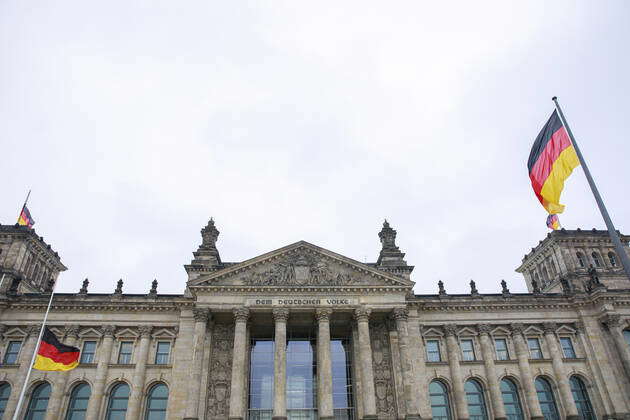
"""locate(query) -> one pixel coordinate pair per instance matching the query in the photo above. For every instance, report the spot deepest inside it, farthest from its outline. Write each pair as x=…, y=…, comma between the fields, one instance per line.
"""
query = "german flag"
x=550, y=163
x=25, y=219
x=553, y=222
x=53, y=355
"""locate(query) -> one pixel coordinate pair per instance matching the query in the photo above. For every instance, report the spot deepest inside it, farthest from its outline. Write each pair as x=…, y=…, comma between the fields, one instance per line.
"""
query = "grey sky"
x=134, y=122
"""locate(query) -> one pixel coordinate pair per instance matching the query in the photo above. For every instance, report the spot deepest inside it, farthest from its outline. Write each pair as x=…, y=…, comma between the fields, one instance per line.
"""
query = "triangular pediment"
x=299, y=265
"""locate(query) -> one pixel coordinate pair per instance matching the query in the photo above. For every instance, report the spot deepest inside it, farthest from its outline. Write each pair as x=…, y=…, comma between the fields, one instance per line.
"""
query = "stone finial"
x=209, y=235
x=549, y=327
x=119, y=287
x=154, y=285
x=450, y=330
x=484, y=328
x=362, y=314
x=71, y=331
x=241, y=314
x=50, y=285
x=504, y=289
x=473, y=288
x=323, y=314
x=441, y=289
x=108, y=330
x=390, y=255
x=207, y=254
x=388, y=237
x=84, y=287
x=201, y=314
x=145, y=330
x=535, y=287
x=517, y=328
x=280, y=314
x=400, y=313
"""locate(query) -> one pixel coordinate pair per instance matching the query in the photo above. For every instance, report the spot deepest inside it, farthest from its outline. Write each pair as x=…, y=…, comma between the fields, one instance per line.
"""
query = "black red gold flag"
x=53, y=355
x=25, y=218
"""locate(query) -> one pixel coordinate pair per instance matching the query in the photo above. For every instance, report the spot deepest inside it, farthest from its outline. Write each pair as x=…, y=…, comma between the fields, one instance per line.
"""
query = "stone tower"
x=391, y=258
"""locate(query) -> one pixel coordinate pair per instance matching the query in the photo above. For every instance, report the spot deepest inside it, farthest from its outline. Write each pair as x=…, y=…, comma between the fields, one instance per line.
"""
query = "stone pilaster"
x=239, y=356
x=104, y=356
x=613, y=322
x=280, y=317
x=137, y=384
x=418, y=362
x=60, y=379
x=522, y=354
x=324, y=365
x=410, y=390
x=26, y=354
x=202, y=316
x=487, y=352
x=362, y=315
x=461, y=405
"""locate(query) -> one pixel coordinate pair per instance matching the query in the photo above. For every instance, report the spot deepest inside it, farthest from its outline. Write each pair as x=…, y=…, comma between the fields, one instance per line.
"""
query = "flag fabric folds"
x=553, y=222
x=550, y=163
x=53, y=355
x=25, y=218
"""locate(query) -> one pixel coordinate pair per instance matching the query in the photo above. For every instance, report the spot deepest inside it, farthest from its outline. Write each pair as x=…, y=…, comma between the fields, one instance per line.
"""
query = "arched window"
x=476, y=401
x=613, y=259
x=546, y=399
x=156, y=402
x=596, y=260
x=511, y=401
x=39, y=402
x=5, y=391
x=118, y=400
x=78, y=402
x=580, y=258
x=582, y=401
x=440, y=404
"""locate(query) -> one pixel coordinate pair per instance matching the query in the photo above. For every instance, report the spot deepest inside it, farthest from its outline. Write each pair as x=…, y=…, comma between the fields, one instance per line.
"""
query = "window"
x=468, y=350
x=500, y=344
x=39, y=402
x=582, y=401
x=341, y=358
x=118, y=400
x=545, y=276
x=511, y=400
x=476, y=401
x=261, y=378
x=534, y=348
x=301, y=376
x=78, y=402
x=87, y=354
x=440, y=404
x=580, y=258
x=13, y=351
x=626, y=335
x=612, y=258
x=433, y=351
x=124, y=354
x=5, y=392
x=596, y=259
x=546, y=400
x=163, y=353
x=567, y=348
x=156, y=402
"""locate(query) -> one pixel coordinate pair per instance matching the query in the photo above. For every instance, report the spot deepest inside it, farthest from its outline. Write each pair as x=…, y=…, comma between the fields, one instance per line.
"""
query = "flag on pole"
x=53, y=355
x=25, y=218
x=553, y=222
x=550, y=163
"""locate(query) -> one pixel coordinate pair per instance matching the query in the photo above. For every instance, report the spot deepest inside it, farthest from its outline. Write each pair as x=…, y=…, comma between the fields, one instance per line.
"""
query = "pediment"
x=300, y=265
x=432, y=332
x=500, y=331
x=467, y=331
x=90, y=332
x=565, y=329
x=164, y=333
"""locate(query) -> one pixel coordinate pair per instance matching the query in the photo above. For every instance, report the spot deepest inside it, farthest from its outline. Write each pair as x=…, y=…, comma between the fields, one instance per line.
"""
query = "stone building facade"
x=305, y=333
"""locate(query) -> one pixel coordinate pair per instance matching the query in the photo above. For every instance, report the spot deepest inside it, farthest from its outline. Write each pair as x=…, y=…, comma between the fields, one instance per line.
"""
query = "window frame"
x=612, y=259
x=596, y=259
x=17, y=354
x=70, y=410
x=92, y=354
x=444, y=387
x=30, y=407
x=469, y=351
x=120, y=353
x=496, y=350
x=548, y=389
x=110, y=398
x=479, y=390
x=582, y=403
x=148, y=399
x=439, y=350
x=515, y=392
x=157, y=352
x=3, y=401
x=529, y=348
x=581, y=259
x=572, y=347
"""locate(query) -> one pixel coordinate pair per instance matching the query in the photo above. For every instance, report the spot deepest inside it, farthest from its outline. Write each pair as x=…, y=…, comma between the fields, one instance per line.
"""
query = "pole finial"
x=555, y=98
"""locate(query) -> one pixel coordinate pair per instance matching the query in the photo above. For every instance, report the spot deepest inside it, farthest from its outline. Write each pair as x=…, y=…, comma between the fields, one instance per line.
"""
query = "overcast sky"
x=134, y=122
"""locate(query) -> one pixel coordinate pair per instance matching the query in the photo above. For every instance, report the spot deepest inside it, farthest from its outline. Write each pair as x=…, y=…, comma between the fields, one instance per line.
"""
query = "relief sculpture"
x=383, y=376
x=220, y=372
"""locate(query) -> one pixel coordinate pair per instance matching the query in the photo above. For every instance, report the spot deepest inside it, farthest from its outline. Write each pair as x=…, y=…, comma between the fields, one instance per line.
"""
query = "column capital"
x=579, y=327
x=612, y=320
x=201, y=314
x=108, y=330
x=400, y=313
x=362, y=314
x=323, y=314
x=33, y=330
x=72, y=331
x=280, y=314
x=549, y=327
x=145, y=330
x=241, y=314
x=484, y=329
x=517, y=328
x=450, y=330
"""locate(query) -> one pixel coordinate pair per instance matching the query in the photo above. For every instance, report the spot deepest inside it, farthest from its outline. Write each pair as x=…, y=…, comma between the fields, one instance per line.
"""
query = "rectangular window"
x=468, y=350
x=534, y=348
x=163, y=353
x=567, y=347
x=500, y=344
x=13, y=351
x=433, y=351
x=87, y=354
x=124, y=354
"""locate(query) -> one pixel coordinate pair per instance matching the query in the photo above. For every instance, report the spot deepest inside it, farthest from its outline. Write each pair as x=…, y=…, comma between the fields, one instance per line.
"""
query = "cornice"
x=271, y=290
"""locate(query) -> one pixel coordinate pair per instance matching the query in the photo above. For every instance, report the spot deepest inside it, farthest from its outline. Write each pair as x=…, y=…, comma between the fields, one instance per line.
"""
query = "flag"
x=25, y=218
x=553, y=222
x=550, y=163
x=53, y=355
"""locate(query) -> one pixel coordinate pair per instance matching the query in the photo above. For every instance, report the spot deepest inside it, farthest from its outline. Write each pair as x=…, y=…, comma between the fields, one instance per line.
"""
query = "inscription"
x=302, y=302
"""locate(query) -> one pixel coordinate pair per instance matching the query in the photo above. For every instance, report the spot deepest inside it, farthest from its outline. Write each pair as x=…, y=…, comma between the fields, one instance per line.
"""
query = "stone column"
x=522, y=353
x=613, y=322
x=487, y=352
x=280, y=316
x=362, y=315
x=104, y=357
x=201, y=315
x=26, y=353
x=568, y=402
x=137, y=384
x=60, y=379
x=324, y=365
x=239, y=356
x=410, y=391
x=456, y=373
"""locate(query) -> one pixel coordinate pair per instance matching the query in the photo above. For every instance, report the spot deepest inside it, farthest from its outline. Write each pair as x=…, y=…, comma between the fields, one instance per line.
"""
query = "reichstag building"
x=304, y=333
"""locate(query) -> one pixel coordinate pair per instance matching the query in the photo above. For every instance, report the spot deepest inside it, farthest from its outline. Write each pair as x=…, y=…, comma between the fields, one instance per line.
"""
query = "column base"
x=415, y=417
x=370, y=417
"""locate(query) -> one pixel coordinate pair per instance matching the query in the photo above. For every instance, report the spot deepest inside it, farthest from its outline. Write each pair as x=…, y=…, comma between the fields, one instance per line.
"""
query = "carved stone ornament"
x=612, y=320
x=504, y=289
x=71, y=330
x=441, y=289
x=3, y=328
x=220, y=373
x=201, y=314
x=154, y=286
x=484, y=328
x=280, y=314
x=84, y=287
x=300, y=269
x=145, y=330
x=550, y=327
x=119, y=287
x=400, y=313
x=241, y=314
x=517, y=328
x=450, y=330
x=323, y=314
x=579, y=327
x=384, y=387
x=362, y=314
x=108, y=330
x=33, y=330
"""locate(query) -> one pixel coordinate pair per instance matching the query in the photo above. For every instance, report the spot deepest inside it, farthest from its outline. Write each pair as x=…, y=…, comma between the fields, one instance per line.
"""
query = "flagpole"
x=24, y=205
x=30, y=369
x=612, y=232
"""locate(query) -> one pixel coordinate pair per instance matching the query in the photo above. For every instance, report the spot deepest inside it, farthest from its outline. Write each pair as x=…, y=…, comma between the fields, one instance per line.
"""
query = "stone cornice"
x=78, y=303
x=275, y=290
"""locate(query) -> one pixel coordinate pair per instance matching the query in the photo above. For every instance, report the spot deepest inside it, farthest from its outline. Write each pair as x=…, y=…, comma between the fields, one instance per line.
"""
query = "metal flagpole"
x=621, y=252
x=18, y=408
x=24, y=205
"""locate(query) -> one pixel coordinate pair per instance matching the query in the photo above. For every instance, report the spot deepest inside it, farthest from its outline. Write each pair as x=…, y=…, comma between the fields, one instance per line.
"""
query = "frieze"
x=303, y=301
